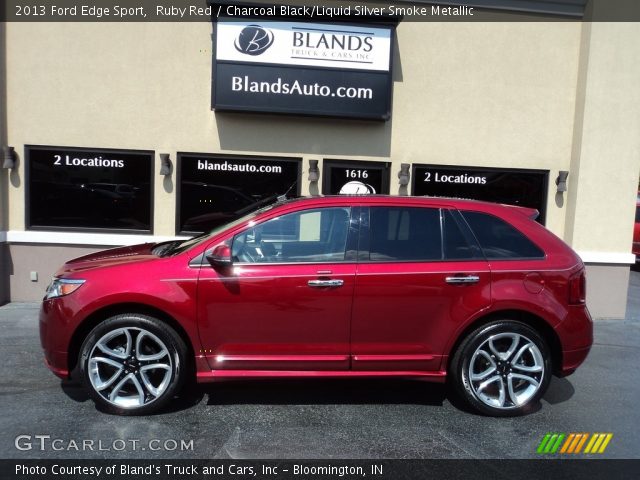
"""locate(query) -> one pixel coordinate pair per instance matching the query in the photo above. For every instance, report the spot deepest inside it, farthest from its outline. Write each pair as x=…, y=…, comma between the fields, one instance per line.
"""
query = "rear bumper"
x=576, y=337
x=571, y=360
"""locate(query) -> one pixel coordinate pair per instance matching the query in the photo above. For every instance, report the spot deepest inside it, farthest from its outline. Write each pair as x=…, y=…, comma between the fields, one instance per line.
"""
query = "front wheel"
x=502, y=368
x=132, y=364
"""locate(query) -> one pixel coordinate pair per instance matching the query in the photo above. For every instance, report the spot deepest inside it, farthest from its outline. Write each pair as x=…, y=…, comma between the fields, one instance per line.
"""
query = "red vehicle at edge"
x=475, y=293
x=636, y=233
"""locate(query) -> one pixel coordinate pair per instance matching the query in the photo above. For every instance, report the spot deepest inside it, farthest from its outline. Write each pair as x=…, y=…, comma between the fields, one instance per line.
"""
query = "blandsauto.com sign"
x=302, y=68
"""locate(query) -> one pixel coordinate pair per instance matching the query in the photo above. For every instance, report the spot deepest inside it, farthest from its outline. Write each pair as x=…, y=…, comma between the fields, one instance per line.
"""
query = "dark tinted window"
x=457, y=244
x=307, y=236
x=403, y=233
x=637, y=214
x=87, y=188
x=498, y=239
x=215, y=190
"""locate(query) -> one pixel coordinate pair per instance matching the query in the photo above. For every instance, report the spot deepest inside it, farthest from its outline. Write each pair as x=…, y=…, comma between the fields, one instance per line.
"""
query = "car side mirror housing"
x=220, y=256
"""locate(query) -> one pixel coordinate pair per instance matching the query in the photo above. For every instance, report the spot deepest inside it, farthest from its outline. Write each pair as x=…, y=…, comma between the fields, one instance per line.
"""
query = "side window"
x=405, y=234
x=498, y=239
x=318, y=235
x=459, y=244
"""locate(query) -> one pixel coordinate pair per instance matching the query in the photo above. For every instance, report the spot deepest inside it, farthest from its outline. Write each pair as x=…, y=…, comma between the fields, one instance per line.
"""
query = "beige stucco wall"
x=4, y=209
x=499, y=95
x=606, y=153
x=607, y=287
x=553, y=96
x=483, y=94
x=44, y=260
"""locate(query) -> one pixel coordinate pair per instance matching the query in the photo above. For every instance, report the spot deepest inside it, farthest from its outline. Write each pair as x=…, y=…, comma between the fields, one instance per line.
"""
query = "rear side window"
x=405, y=234
x=498, y=239
x=459, y=244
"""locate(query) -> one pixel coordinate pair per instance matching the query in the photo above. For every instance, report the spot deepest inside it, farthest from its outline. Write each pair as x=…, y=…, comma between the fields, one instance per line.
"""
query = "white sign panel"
x=304, y=44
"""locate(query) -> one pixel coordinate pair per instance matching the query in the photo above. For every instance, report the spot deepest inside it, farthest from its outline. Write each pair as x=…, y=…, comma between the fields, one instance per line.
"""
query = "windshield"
x=187, y=244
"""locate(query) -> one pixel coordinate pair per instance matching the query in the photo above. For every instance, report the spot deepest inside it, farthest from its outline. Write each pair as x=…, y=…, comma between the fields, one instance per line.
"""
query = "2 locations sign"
x=89, y=188
x=302, y=68
x=526, y=188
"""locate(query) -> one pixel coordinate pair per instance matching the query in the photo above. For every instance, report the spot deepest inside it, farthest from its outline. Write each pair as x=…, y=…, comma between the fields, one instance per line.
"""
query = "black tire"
x=139, y=353
x=494, y=369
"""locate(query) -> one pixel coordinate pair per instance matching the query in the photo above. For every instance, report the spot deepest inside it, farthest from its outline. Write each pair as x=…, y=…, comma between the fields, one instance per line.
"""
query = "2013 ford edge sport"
x=476, y=294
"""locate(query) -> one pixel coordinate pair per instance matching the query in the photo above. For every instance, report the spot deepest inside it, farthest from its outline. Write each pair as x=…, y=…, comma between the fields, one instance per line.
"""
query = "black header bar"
x=321, y=11
x=160, y=469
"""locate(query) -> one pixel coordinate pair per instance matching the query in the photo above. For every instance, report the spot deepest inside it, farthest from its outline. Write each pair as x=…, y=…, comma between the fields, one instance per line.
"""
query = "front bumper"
x=54, y=337
x=59, y=372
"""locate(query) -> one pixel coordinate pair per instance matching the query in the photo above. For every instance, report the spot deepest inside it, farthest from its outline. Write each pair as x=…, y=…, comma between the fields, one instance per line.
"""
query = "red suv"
x=636, y=232
x=475, y=293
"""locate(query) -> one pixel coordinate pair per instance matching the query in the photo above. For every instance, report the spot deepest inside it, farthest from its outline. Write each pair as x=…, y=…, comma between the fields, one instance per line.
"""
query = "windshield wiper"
x=162, y=249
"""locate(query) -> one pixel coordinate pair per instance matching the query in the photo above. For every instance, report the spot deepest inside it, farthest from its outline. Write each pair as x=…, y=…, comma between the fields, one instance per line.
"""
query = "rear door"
x=420, y=275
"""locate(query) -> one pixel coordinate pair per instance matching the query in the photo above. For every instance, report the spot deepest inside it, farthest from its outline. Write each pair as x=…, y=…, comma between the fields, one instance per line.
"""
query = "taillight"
x=577, y=288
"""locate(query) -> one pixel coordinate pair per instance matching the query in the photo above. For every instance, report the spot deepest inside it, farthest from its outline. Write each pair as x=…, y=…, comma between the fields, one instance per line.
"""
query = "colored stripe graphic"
x=550, y=443
x=556, y=445
x=598, y=443
x=543, y=443
x=566, y=445
x=573, y=443
x=581, y=443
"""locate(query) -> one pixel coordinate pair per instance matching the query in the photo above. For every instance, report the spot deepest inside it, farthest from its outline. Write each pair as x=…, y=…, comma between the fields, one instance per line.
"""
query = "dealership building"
x=117, y=133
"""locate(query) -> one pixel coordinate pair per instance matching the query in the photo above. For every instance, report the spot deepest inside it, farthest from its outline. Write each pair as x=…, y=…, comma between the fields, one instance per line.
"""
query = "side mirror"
x=220, y=256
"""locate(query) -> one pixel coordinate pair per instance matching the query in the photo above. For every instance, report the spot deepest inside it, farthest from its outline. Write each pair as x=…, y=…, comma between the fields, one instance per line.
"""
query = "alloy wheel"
x=506, y=370
x=130, y=367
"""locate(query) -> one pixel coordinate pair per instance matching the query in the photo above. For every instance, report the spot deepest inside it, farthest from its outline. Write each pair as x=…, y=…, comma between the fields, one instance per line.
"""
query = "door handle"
x=325, y=283
x=463, y=280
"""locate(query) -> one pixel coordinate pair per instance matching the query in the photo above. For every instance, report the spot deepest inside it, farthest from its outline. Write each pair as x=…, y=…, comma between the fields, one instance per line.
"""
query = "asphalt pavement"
x=43, y=417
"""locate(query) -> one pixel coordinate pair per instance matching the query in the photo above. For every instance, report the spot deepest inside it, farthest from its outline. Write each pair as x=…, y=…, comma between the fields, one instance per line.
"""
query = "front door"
x=285, y=303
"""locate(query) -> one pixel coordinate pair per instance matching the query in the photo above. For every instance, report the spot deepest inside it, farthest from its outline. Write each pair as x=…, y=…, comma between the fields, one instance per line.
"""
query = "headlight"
x=62, y=286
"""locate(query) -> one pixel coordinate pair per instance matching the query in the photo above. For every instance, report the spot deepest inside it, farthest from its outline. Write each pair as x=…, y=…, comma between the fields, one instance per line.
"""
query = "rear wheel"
x=502, y=368
x=132, y=364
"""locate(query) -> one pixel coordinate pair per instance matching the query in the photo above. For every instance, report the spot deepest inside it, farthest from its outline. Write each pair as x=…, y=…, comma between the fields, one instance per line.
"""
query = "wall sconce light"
x=9, y=158
x=166, y=167
x=561, y=181
x=404, y=175
x=314, y=171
